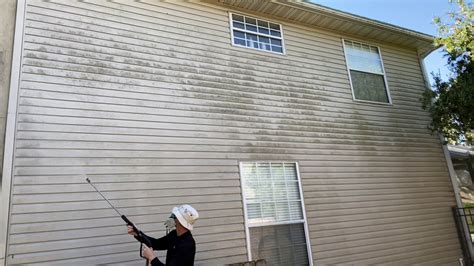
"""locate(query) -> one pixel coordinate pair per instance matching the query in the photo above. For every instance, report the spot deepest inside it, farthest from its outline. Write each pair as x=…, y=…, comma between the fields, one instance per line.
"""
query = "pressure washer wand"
x=89, y=181
x=121, y=215
x=143, y=239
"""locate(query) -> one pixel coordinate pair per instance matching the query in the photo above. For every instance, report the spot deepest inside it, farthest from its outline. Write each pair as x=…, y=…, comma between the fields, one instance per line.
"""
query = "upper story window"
x=256, y=33
x=366, y=72
x=275, y=219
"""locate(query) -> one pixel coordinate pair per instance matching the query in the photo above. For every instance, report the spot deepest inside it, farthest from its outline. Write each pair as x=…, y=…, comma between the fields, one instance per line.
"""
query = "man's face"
x=176, y=221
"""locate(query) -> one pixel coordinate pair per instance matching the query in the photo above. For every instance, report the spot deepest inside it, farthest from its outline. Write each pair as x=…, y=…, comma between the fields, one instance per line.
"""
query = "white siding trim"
x=5, y=194
x=306, y=228
x=452, y=175
x=384, y=76
x=244, y=202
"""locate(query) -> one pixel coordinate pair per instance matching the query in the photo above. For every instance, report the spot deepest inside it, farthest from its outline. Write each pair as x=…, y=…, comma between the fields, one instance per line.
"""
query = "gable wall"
x=151, y=101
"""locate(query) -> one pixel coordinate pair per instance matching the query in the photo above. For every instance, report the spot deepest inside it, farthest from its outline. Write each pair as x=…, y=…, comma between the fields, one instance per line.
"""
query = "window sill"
x=365, y=102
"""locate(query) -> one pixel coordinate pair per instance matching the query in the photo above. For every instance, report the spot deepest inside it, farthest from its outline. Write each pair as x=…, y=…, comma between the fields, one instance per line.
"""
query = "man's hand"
x=131, y=231
x=148, y=253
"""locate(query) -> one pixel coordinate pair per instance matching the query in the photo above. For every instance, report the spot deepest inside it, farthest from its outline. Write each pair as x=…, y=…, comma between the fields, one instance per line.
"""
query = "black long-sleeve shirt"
x=180, y=249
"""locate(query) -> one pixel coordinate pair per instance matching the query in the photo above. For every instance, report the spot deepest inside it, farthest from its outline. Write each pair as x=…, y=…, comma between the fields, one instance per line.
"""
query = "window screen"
x=366, y=72
x=274, y=213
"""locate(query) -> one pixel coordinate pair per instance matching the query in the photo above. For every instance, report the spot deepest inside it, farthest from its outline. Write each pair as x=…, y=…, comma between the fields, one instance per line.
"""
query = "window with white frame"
x=366, y=72
x=274, y=211
x=256, y=33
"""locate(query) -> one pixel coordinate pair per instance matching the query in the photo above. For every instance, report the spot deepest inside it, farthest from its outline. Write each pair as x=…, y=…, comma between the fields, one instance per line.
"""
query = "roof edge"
x=361, y=19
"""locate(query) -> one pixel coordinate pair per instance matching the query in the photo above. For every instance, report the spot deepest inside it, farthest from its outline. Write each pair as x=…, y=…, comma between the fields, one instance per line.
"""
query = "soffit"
x=343, y=23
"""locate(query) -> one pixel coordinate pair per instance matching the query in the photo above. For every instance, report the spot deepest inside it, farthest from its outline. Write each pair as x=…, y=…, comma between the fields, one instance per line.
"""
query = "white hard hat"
x=186, y=215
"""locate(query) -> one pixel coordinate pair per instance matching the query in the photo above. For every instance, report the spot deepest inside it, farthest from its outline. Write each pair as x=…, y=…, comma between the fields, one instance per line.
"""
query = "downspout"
x=7, y=174
x=449, y=163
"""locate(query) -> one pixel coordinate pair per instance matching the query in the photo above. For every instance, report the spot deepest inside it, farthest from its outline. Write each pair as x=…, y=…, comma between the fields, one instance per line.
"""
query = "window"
x=257, y=34
x=366, y=72
x=274, y=213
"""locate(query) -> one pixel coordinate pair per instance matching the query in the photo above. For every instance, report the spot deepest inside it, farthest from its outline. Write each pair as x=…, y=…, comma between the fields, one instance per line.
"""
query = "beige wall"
x=7, y=26
x=150, y=99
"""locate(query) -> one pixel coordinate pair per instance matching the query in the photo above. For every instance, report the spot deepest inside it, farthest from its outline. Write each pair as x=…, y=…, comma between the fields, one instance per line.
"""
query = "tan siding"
x=151, y=100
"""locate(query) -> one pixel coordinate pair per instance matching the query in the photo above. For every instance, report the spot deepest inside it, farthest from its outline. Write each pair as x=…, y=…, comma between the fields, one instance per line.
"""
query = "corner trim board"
x=7, y=175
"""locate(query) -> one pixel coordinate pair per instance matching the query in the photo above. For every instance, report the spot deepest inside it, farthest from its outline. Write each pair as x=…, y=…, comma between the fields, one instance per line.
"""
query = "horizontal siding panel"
x=145, y=32
x=440, y=257
x=29, y=189
x=112, y=139
x=228, y=243
x=310, y=118
x=326, y=232
x=350, y=162
x=264, y=148
x=363, y=249
x=361, y=192
x=382, y=202
x=359, y=199
x=425, y=230
x=71, y=214
x=391, y=255
x=95, y=223
x=189, y=118
x=189, y=98
x=379, y=216
x=100, y=153
x=382, y=210
x=128, y=206
x=323, y=180
x=114, y=169
x=169, y=100
x=122, y=161
x=79, y=179
x=118, y=228
x=85, y=196
x=345, y=226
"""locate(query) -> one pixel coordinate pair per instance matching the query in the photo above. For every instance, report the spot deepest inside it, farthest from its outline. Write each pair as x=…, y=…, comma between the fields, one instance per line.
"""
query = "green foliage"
x=451, y=103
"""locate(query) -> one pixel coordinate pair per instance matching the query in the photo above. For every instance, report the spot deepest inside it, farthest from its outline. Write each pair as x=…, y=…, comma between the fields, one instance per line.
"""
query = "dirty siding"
x=151, y=101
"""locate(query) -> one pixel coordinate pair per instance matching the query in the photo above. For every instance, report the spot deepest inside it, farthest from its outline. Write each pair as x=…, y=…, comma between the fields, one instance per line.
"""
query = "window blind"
x=272, y=193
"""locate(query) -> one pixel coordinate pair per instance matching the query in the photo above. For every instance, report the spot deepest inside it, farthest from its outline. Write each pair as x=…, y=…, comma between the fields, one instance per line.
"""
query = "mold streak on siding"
x=153, y=103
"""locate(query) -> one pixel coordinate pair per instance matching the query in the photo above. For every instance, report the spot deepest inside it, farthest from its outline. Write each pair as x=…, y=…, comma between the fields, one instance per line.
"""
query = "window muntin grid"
x=256, y=33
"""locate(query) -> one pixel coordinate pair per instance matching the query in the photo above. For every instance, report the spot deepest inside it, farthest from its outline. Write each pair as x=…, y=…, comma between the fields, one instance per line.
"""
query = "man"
x=179, y=243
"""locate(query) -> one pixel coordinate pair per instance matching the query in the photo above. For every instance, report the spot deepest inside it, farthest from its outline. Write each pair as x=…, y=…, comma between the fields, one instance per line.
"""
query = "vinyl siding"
x=154, y=104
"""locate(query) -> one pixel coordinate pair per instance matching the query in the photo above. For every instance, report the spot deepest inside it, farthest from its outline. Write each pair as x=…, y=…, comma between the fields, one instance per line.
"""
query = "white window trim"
x=383, y=70
x=253, y=48
x=304, y=221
